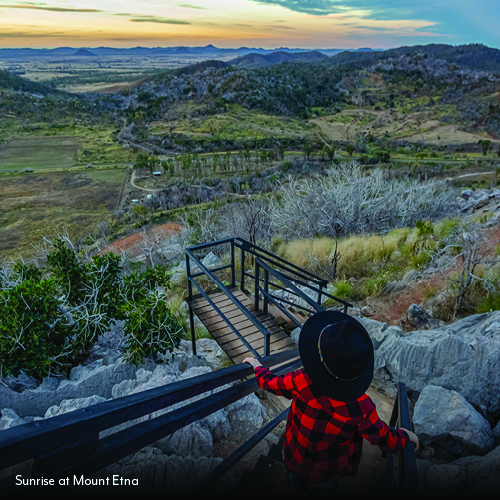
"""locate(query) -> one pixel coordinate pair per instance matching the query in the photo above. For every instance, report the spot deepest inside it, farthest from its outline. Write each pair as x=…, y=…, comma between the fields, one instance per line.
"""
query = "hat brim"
x=308, y=349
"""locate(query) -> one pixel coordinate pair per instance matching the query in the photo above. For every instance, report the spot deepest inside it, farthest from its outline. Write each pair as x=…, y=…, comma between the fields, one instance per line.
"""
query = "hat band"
x=324, y=364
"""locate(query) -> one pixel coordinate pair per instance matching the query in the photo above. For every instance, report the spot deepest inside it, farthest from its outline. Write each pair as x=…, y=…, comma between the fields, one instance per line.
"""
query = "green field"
x=37, y=205
x=39, y=153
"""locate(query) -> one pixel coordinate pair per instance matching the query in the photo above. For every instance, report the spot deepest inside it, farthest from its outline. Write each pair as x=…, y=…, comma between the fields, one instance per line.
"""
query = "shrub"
x=150, y=328
x=343, y=290
x=35, y=336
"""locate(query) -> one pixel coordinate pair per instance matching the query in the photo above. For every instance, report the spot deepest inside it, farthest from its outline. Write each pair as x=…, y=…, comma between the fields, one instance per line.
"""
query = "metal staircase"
x=252, y=324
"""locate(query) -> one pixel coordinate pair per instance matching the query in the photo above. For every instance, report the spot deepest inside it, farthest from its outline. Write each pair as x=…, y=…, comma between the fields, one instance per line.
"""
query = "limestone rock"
x=446, y=418
x=192, y=441
x=212, y=353
x=418, y=316
x=462, y=356
x=68, y=405
x=377, y=330
x=246, y=414
x=482, y=473
x=217, y=424
x=10, y=419
x=447, y=479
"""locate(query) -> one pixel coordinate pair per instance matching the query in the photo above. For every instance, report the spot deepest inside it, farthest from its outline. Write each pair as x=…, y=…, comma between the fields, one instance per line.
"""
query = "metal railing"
x=407, y=465
x=70, y=443
x=288, y=274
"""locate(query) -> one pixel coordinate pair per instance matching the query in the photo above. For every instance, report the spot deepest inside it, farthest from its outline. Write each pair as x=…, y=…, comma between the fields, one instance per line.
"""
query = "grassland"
x=36, y=205
x=237, y=123
x=50, y=146
x=39, y=153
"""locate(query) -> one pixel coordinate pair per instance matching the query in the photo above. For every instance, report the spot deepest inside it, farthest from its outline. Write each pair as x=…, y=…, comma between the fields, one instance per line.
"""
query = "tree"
x=308, y=149
x=486, y=146
x=350, y=149
x=281, y=151
x=470, y=246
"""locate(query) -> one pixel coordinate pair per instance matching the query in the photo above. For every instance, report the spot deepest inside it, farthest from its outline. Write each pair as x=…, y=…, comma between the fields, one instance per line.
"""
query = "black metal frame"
x=289, y=274
x=69, y=444
x=408, y=477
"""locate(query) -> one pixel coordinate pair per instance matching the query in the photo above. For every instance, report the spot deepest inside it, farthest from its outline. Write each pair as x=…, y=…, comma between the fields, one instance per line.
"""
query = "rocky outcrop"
x=446, y=418
x=174, y=463
x=473, y=200
x=465, y=477
x=462, y=356
x=418, y=317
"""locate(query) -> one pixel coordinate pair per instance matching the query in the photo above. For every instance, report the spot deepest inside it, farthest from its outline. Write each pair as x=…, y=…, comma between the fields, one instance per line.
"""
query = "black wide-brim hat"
x=346, y=345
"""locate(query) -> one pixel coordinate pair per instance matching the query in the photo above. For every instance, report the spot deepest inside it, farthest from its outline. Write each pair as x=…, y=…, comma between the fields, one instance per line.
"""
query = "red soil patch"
x=392, y=308
x=133, y=244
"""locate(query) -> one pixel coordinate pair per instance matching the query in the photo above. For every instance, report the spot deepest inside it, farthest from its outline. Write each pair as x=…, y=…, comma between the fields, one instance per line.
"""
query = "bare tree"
x=348, y=201
x=468, y=247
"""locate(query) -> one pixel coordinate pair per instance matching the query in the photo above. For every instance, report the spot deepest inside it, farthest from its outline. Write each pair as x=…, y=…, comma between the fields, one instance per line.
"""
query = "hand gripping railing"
x=408, y=478
x=70, y=444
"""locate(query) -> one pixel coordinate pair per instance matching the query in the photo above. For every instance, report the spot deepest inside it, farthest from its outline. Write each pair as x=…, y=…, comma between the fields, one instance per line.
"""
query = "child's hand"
x=252, y=361
x=413, y=438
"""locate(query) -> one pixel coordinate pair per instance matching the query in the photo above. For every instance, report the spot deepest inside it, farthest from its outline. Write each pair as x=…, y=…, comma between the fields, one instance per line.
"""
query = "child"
x=330, y=413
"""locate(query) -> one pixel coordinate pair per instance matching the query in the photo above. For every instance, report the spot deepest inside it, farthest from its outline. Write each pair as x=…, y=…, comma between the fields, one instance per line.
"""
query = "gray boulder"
x=246, y=414
x=482, y=473
x=377, y=330
x=192, y=441
x=68, y=405
x=211, y=352
x=446, y=418
x=419, y=317
x=11, y=419
x=462, y=356
x=444, y=479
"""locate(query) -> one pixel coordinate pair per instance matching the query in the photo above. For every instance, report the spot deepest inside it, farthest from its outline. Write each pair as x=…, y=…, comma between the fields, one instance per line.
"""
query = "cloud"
x=283, y=27
x=189, y=6
x=374, y=9
x=46, y=7
x=160, y=20
x=24, y=34
x=371, y=28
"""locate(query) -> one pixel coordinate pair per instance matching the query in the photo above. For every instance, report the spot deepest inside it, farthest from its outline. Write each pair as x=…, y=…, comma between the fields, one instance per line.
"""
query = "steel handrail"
x=248, y=247
x=408, y=477
x=241, y=307
x=223, y=316
x=289, y=284
x=25, y=441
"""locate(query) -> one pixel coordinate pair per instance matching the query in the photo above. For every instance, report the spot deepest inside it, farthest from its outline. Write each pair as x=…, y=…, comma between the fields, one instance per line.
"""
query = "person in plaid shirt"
x=330, y=413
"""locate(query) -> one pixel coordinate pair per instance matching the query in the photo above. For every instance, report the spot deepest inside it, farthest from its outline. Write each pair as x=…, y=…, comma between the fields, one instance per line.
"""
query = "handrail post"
x=267, y=344
x=188, y=274
x=257, y=279
x=320, y=293
x=408, y=478
x=266, y=289
x=190, y=297
x=242, y=270
x=233, y=278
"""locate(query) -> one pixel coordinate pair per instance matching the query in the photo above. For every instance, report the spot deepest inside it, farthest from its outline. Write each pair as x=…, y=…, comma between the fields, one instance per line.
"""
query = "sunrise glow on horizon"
x=253, y=23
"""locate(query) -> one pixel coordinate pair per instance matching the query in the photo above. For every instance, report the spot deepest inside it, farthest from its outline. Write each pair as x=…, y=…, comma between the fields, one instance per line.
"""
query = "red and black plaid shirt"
x=324, y=437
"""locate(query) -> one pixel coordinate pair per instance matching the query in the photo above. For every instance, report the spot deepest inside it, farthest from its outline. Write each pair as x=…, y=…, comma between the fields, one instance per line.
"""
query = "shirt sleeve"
x=281, y=386
x=378, y=433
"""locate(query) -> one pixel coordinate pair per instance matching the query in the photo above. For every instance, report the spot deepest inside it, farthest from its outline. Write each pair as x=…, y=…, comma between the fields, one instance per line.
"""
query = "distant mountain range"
x=209, y=50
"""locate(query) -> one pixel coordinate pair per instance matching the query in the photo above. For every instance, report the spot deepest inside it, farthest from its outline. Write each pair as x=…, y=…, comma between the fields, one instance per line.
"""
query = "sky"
x=311, y=24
